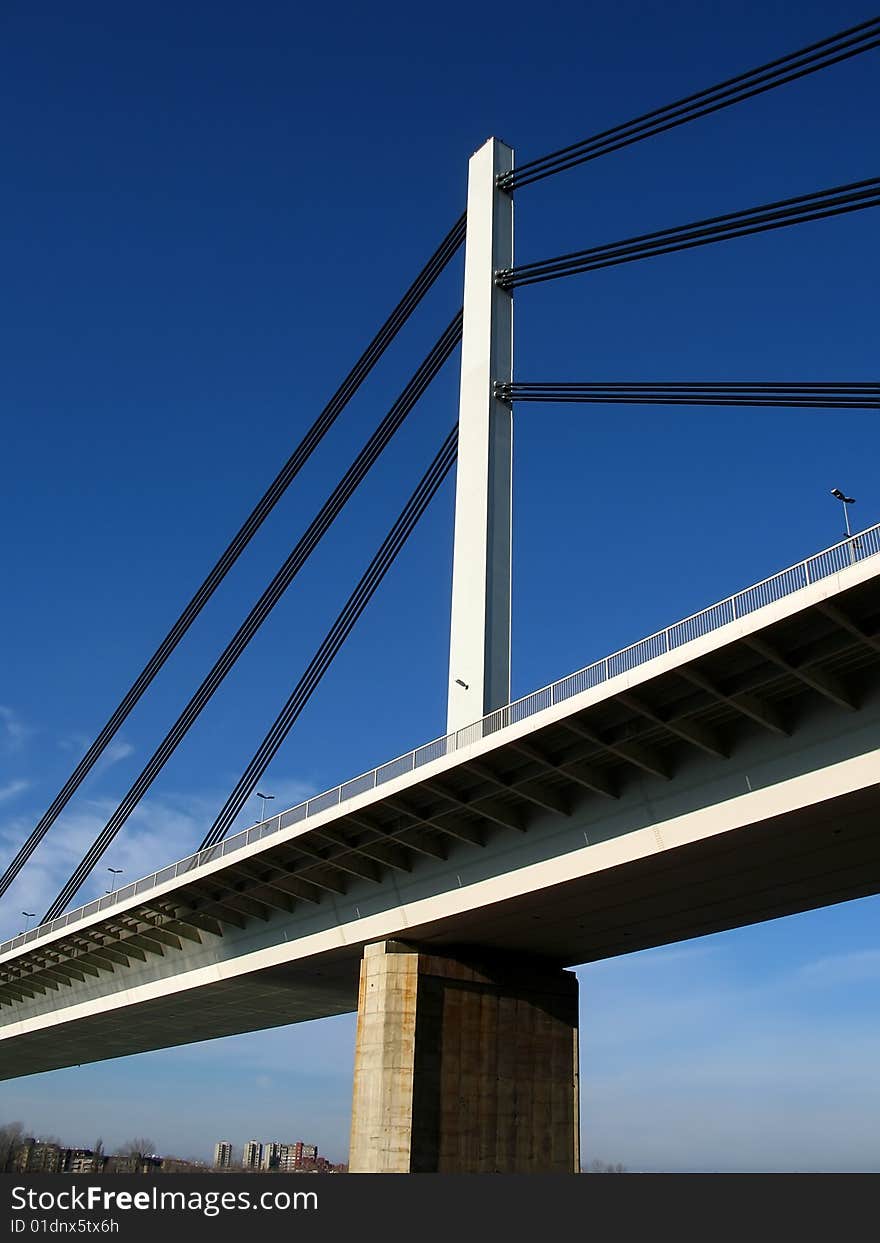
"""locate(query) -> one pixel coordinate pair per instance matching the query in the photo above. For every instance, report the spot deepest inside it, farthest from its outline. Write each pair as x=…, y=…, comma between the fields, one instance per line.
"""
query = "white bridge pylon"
x=479, y=647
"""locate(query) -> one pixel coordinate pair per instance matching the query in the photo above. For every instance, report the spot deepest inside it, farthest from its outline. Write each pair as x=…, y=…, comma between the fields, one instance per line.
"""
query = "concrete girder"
x=277, y=879
x=473, y=837
x=479, y=805
x=818, y=680
x=368, y=850
x=634, y=753
x=92, y=955
x=301, y=865
x=200, y=922
x=134, y=937
x=538, y=797
x=575, y=770
x=42, y=978
x=25, y=983
x=748, y=705
x=333, y=861
x=199, y=907
x=438, y=820
x=115, y=954
x=230, y=897
x=163, y=935
x=394, y=836
x=55, y=977
x=259, y=887
x=840, y=618
x=689, y=731
x=180, y=928
x=62, y=966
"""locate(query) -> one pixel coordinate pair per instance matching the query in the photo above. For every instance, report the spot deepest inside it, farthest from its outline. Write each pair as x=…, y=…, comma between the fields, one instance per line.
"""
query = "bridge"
x=721, y=771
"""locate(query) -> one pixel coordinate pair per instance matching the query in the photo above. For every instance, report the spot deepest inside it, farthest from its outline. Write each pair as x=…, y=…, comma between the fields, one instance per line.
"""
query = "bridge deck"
x=624, y=815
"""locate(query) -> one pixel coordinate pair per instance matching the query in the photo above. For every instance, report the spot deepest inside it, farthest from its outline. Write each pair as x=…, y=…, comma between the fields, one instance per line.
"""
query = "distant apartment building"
x=223, y=1155
x=288, y=1157
x=132, y=1163
x=82, y=1161
x=124, y=1163
x=298, y=1156
x=271, y=1156
x=252, y=1155
x=34, y=1156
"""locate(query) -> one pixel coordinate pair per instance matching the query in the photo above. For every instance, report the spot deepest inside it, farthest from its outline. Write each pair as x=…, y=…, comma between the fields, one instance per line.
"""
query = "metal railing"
x=855, y=548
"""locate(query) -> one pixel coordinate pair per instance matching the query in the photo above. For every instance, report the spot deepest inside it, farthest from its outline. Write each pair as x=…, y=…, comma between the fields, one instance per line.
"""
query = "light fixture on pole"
x=116, y=872
x=266, y=798
x=29, y=915
x=844, y=500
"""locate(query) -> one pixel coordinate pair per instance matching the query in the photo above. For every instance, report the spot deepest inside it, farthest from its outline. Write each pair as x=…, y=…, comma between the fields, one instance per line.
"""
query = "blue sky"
x=207, y=213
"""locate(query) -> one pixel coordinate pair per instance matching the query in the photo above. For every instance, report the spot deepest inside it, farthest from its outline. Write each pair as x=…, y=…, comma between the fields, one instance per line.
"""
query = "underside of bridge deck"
x=585, y=775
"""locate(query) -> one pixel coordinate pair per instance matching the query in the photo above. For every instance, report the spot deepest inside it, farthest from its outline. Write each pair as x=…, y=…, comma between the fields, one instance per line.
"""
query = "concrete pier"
x=464, y=1065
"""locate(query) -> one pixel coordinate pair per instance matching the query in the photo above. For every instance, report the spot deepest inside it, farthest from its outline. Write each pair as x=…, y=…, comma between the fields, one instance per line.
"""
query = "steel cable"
x=371, y=355
x=852, y=396
x=830, y=51
x=818, y=205
x=267, y=601
x=336, y=636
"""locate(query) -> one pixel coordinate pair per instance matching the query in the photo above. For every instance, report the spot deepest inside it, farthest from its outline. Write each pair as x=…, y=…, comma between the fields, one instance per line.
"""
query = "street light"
x=844, y=500
x=116, y=872
x=266, y=798
x=29, y=915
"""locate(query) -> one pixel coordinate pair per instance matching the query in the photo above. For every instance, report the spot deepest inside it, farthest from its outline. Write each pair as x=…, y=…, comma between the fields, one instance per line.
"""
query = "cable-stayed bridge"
x=720, y=772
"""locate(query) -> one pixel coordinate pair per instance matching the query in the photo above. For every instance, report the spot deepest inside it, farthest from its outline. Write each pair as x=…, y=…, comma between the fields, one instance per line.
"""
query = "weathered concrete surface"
x=464, y=1067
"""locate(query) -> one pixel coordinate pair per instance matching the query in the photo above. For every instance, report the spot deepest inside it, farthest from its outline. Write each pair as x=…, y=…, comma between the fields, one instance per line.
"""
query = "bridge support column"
x=464, y=1067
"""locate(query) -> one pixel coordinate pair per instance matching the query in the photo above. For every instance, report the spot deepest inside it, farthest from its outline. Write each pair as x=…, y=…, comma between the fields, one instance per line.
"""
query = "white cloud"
x=14, y=733
x=835, y=969
x=74, y=742
x=78, y=744
x=161, y=830
x=12, y=789
x=118, y=750
x=157, y=833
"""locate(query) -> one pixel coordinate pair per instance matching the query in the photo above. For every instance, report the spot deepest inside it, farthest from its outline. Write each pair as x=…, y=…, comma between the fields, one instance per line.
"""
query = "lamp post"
x=844, y=500
x=116, y=872
x=265, y=798
x=28, y=915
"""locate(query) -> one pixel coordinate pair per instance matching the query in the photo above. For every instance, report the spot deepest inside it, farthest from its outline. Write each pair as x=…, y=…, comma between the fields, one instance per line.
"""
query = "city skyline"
x=266, y=1155
x=46, y=1153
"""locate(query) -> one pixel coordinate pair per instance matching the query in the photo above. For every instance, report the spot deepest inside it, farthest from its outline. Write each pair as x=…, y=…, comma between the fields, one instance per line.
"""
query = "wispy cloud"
x=78, y=743
x=157, y=833
x=12, y=789
x=118, y=750
x=162, y=829
x=835, y=969
x=14, y=732
x=74, y=742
